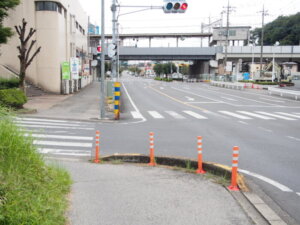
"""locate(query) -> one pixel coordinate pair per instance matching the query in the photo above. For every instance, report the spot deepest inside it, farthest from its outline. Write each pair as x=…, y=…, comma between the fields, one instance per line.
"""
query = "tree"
x=285, y=30
x=5, y=5
x=24, y=52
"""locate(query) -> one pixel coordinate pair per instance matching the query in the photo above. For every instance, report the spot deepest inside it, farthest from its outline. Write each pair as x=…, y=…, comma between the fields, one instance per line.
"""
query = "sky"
x=244, y=13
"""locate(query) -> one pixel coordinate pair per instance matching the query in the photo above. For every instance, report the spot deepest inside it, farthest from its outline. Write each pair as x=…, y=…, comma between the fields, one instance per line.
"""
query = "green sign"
x=66, y=73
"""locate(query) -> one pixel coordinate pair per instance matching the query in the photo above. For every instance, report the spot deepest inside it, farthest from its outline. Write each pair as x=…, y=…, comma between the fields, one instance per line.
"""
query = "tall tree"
x=5, y=5
x=284, y=29
x=24, y=51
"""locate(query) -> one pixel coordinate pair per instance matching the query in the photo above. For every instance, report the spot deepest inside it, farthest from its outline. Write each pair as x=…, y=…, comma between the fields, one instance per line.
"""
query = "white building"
x=61, y=30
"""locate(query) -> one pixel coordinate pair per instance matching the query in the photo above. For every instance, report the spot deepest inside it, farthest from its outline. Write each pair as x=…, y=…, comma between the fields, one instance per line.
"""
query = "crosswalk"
x=59, y=137
x=239, y=114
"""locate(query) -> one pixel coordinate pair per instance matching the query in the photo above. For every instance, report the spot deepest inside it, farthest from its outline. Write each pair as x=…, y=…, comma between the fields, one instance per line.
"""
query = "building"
x=62, y=32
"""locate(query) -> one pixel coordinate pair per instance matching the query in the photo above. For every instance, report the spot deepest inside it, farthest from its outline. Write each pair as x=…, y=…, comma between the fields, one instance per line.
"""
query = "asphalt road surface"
x=266, y=128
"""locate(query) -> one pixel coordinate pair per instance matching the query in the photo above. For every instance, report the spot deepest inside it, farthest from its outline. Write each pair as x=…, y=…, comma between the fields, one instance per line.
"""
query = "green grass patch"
x=31, y=192
x=9, y=83
x=14, y=98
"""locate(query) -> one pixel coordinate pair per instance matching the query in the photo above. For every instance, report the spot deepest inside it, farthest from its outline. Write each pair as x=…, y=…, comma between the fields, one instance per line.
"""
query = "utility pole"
x=263, y=14
x=102, y=102
x=114, y=40
x=228, y=11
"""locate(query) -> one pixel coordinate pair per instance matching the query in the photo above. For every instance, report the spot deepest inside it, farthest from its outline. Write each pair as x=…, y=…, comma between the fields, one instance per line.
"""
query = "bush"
x=14, y=98
x=9, y=83
x=31, y=192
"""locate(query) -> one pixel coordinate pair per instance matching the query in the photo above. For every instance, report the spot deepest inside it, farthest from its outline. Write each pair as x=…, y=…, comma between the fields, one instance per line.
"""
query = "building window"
x=48, y=6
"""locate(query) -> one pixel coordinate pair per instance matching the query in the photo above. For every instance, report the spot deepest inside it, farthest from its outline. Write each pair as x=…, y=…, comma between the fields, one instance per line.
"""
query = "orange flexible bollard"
x=97, y=150
x=151, y=138
x=234, y=170
x=200, y=168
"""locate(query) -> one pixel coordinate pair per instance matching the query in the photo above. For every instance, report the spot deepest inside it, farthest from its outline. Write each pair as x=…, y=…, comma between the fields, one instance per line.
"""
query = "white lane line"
x=65, y=144
x=175, y=115
x=56, y=150
x=242, y=122
x=256, y=115
x=288, y=114
x=132, y=103
x=44, y=120
x=262, y=128
x=155, y=115
x=267, y=180
x=60, y=137
x=230, y=99
x=189, y=98
x=274, y=115
x=236, y=115
x=272, y=100
x=55, y=127
x=203, y=102
x=196, y=115
x=192, y=93
x=46, y=123
x=296, y=139
x=136, y=115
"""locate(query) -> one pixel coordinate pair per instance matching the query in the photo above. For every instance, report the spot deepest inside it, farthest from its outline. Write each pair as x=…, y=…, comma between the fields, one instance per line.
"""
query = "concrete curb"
x=259, y=212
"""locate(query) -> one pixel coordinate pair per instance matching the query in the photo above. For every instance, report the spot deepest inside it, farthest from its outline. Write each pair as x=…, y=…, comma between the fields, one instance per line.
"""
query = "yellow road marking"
x=177, y=100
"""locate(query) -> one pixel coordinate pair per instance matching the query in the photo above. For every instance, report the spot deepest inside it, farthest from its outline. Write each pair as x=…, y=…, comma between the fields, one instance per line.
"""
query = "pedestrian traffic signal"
x=175, y=6
x=112, y=51
x=98, y=52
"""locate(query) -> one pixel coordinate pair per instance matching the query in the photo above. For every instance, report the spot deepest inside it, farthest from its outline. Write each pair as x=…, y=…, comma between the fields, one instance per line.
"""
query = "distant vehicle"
x=177, y=76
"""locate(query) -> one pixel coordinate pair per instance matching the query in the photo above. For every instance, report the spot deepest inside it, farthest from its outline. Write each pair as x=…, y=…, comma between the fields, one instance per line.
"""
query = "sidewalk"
x=139, y=195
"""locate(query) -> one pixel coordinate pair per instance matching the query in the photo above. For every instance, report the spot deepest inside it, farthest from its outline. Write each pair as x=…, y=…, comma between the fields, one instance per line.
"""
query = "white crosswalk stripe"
x=196, y=115
x=274, y=115
x=175, y=115
x=288, y=114
x=136, y=115
x=155, y=115
x=235, y=115
x=256, y=115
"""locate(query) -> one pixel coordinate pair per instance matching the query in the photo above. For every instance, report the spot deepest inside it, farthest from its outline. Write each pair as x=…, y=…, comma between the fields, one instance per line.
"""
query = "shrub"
x=14, y=98
x=9, y=83
x=31, y=192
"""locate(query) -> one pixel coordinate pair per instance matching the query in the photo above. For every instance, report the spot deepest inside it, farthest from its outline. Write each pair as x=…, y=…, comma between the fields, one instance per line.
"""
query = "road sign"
x=112, y=50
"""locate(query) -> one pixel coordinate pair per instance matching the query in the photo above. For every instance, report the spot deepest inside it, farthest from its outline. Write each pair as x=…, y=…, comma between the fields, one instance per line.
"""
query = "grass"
x=31, y=192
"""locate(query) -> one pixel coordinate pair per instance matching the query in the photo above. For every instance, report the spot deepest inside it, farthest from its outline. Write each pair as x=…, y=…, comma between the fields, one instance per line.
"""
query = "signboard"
x=228, y=66
x=74, y=63
x=65, y=70
x=213, y=63
x=86, y=69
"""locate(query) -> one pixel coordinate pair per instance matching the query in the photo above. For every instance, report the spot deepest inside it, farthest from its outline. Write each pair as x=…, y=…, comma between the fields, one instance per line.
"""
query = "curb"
x=257, y=210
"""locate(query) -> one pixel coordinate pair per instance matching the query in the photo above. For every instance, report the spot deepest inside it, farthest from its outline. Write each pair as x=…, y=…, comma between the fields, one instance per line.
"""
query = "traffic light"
x=112, y=50
x=175, y=6
x=98, y=52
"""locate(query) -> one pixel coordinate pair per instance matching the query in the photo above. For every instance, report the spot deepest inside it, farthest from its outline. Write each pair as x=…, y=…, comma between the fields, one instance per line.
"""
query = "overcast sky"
x=245, y=13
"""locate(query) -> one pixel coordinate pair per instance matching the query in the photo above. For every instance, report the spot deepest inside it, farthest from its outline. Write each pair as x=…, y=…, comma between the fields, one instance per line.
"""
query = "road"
x=266, y=128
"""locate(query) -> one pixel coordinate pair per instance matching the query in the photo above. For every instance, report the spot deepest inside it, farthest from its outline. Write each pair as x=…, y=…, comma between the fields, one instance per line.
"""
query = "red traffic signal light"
x=184, y=6
x=98, y=49
x=175, y=6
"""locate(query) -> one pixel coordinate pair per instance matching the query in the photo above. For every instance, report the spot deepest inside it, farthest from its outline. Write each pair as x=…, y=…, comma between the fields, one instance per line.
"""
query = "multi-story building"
x=61, y=30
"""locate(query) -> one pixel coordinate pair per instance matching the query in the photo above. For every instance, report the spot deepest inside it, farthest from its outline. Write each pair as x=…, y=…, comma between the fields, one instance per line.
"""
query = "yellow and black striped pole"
x=117, y=96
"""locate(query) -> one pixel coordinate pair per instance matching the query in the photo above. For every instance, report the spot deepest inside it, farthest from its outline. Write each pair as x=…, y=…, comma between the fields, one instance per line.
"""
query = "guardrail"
x=284, y=92
x=231, y=85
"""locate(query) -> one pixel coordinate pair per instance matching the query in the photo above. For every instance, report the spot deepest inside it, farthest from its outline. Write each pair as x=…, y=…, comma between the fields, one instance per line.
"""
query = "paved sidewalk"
x=134, y=195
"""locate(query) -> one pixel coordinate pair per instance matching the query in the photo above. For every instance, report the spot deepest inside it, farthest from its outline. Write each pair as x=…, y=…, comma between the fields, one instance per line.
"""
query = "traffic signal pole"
x=114, y=40
x=102, y=101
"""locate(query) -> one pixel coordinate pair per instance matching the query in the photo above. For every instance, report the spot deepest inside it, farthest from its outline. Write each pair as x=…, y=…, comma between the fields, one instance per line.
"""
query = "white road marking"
x=272, y=100
x=243, y=122
x=44, y=120
x=55, y=127
x=203, y=102
x=132, y=103
x=196, y=115
x=66, y=144
x=46, y=123
x=60, y=137
x=55, y=150
x=274, y=115
x=297, y=139
x=162, y=88
x=175, y=115
x=230, y=99
x=136, y=115
x=155, y=115
x=267, y=180
x=262, y=128
x=298, y=193
x=256, y=115
x=189, y=98
x=236, y=115
x=288, y=114
x=192, y=93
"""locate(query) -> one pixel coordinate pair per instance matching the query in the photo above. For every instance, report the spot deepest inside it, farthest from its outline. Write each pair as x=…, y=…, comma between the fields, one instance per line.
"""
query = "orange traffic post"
x=234, y=170
x=200, y=166
x=151, y=138
x=97, y=150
